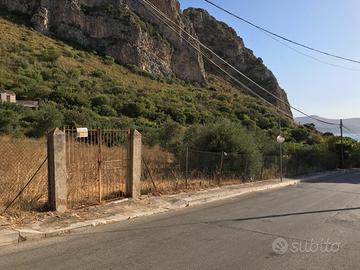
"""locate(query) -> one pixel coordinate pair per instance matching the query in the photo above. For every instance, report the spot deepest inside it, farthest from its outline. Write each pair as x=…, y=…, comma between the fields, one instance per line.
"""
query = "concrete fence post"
x=133, y=187
x=57, y=189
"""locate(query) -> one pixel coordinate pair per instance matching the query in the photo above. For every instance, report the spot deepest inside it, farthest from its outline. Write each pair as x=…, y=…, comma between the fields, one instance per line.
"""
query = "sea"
x=354, y=136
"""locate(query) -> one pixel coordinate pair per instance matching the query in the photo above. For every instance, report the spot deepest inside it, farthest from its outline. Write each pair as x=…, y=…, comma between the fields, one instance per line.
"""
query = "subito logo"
x=280, y=246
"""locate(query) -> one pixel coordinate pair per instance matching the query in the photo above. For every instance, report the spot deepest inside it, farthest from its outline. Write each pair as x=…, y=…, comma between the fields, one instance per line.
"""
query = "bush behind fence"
x=163, y=170
x=176, y=169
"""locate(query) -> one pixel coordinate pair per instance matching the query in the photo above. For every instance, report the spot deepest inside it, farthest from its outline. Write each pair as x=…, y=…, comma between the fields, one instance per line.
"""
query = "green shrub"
x=45, y=119
x=70, y=97
x=300, y=134
x=98, y=73
x=100, y=100
x=82, y=118
x=142, y=72
x=50, y=55
x=9, y=122
x=228, y=137
x=106, y=110
x=132, y=109
x=108, y=60
x=74, y=74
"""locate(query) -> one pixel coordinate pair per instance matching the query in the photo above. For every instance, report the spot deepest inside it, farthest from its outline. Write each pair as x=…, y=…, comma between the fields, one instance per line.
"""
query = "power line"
x=160, y=15
x=308, y=55
x=207, y=57
x=348, y=129
x=215, y=64
x=282, y=37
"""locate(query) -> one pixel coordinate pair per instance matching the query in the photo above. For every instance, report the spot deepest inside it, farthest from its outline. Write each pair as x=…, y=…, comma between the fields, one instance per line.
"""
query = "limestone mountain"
x=132, y=35
x=224, y=41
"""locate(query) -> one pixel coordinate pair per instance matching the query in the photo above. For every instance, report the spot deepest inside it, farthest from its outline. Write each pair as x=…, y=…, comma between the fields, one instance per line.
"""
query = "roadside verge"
x=53, y=224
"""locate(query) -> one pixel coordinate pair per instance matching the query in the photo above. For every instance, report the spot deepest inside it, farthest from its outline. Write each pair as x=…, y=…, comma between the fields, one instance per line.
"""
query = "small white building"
x=8, y=96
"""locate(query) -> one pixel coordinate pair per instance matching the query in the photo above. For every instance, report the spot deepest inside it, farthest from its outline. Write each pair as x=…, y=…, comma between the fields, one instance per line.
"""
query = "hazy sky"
x=330, y=25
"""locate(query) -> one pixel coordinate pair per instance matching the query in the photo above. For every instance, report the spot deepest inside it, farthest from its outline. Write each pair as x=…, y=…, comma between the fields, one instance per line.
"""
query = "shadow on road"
x=209, y=222
x=342, y=177
x=297, y=214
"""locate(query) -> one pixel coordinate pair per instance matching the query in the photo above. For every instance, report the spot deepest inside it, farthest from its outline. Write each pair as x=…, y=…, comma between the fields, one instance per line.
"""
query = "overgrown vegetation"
x=84, y=89
x=81, y=88
x=249, y=151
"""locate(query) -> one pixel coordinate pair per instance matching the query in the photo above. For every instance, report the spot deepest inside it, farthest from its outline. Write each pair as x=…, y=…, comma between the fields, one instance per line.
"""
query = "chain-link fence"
x=176, y=169
x=302, y=163
x=23, y=174
x=171, y=170
x=23, y=169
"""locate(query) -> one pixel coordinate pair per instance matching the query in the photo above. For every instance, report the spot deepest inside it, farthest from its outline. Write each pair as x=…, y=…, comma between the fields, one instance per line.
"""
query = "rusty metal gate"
x=97, y=165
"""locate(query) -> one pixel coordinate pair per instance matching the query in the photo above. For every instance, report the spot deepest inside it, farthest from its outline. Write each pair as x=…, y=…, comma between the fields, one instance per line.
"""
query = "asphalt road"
x=316, y=225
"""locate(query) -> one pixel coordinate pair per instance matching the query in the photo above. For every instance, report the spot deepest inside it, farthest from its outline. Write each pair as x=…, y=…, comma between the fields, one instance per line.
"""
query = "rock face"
x=132, y=34
x=186, y=63
x=224, y=41
x=124, y=29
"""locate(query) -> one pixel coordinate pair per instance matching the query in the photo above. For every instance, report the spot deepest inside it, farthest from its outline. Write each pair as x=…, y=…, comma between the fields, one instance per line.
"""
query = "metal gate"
x=97, y=165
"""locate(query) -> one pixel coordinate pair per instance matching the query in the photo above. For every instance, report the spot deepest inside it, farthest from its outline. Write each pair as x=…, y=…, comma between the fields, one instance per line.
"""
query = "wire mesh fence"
x=309, y=162
x=176, y=169
x=23, y=167
x=97, y=166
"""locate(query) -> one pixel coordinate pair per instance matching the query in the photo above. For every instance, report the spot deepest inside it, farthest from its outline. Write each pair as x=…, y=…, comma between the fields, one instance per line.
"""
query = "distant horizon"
x=352, y=126
x=311, y=86
x=351, y=118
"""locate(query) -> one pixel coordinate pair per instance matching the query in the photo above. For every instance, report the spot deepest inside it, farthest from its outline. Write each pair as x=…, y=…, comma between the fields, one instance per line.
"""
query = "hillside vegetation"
x=81, y=88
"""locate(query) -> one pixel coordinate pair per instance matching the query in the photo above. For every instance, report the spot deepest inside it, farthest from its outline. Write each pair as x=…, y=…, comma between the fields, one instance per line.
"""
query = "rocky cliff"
x=123, y=29
x=130, y=33
x=224, y=41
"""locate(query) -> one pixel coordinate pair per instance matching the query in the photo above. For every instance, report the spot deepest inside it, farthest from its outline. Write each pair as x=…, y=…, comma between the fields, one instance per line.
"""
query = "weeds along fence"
x=22, y=160
x=305, y=162
x=168, y=171
x=97, y=169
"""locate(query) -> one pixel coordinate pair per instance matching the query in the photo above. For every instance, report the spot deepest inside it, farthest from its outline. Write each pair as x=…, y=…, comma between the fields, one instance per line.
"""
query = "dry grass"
x=21, y=157
x=85, y=171
x=19, y=160
x=12, y=34
x=163, y=174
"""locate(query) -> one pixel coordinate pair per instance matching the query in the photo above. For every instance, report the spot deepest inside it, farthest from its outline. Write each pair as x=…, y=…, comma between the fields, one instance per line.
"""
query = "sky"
x=329, y=25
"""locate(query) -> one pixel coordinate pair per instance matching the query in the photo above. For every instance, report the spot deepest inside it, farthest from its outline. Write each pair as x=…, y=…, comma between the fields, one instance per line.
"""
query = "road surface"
x=310, y=226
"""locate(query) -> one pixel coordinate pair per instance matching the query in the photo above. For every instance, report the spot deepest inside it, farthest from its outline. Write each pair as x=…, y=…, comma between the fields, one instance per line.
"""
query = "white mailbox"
x=82, y=133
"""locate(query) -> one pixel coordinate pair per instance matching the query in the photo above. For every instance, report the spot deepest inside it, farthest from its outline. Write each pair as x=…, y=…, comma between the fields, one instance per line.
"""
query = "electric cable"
x=159, y=13
x=282, y=37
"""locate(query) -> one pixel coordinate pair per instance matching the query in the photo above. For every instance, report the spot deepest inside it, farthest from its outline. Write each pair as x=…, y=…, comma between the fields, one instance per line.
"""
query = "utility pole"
x=280, y=140
x=342, y=145
x=221, y=166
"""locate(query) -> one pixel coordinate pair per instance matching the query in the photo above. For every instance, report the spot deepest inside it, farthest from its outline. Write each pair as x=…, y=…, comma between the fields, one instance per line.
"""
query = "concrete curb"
x=8, y=237
x=14, y=236
x=227, y=194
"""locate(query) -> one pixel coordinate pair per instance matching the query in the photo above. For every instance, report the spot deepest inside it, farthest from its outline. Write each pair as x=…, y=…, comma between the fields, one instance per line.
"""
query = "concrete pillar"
x=133, y=187
x=57, y=192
